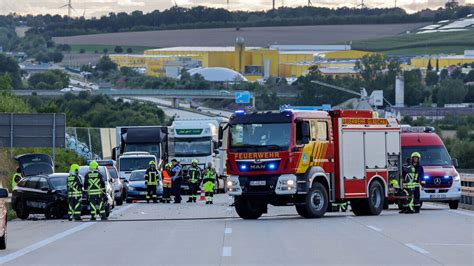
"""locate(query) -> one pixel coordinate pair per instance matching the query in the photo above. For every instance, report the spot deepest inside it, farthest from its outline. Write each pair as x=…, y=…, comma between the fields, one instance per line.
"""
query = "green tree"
x=413, y=87
x=105, y=64
x=5, y=82
x=431, y=78
x=10, y=65
x=371, y=65
x=129, y=50
x=469, y=76
x=118, y=49
x=451, y=91
x=49, y=80
x=429, y=67
x=12, y=104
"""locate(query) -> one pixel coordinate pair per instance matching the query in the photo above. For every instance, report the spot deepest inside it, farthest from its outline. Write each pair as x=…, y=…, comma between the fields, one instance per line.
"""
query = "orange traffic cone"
x=203, y=196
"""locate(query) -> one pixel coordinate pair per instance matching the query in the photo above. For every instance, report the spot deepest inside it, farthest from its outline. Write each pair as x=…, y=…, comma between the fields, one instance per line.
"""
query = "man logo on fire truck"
x=312, y=160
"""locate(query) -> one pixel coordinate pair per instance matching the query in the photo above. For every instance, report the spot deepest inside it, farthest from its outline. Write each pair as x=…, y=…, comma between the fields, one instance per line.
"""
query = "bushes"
x=49, y=80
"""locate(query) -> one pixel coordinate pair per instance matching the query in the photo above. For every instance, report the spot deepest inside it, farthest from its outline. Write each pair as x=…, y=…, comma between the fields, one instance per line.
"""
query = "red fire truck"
x=310, y=159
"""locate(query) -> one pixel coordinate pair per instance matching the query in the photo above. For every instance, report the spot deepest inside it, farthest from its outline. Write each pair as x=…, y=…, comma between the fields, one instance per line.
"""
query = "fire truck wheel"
x=248, y=209
x=373, y=205
x=316, y=202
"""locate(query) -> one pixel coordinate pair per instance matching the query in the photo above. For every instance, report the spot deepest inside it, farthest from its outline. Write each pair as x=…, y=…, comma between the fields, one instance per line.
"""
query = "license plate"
x=437, y=196
x=258, y=183
x=143, y=193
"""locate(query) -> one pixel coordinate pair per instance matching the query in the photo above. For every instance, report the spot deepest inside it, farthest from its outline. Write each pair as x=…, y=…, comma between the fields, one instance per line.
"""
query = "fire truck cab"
x=311, y=159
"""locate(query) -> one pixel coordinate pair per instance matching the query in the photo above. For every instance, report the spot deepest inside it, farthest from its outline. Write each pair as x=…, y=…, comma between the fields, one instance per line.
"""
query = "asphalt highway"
x=199, y=234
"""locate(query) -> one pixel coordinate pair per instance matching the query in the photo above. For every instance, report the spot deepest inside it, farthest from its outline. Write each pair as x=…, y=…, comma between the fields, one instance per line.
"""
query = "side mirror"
x=112, y=180
x=3, y=193
x=221, y=133
x=45, y=189
x=455, y=162
x=216, y=151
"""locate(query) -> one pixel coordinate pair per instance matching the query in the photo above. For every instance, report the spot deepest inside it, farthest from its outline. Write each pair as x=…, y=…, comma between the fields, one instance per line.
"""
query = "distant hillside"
x=259, y=36
x=426, y=43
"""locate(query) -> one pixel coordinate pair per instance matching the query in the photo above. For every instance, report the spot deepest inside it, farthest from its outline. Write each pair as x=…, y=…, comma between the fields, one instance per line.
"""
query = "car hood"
x=137, y=184
x=440, y=170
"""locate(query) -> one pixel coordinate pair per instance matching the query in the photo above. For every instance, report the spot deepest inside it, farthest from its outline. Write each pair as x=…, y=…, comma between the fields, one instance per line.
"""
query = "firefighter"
x=95, y=186
x=167, y=183
x=17, y=177
x=74, y=193
x=419, y=174
x=176, y=180
x=151, y=181
x=194, y=179
x=209, y=180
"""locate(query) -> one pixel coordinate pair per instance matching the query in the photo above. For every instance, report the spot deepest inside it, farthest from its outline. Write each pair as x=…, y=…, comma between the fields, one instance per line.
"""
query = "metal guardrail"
x=467, y=191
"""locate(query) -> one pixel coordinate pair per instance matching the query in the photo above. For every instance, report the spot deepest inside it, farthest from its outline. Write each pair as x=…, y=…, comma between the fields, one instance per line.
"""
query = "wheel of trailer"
x=22, y=211
x=316, y=202
x=248, y=209
x=373, y=205
x=129, y=201
x=453, y=205
x=3, y=239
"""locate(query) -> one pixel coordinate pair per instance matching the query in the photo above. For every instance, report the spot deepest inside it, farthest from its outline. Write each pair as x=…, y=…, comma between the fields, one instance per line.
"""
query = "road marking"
x=228, y=231
x=49, y=240
x=463, y=213
x=374, y=228
x=226, y=251
x=417, y=248
x=446, y=244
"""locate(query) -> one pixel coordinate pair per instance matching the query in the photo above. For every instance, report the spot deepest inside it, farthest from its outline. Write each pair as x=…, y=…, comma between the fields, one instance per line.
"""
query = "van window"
x=31, y=182
x=42, y=183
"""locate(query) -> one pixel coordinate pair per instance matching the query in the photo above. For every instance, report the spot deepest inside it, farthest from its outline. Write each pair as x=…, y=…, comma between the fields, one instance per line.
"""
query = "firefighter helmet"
x=93, y=165
x=416, y=154
x=152, y=163
x=194, y=161
x=74, y=168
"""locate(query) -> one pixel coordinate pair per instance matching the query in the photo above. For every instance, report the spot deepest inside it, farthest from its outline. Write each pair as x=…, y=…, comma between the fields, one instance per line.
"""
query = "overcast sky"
x=100, y=7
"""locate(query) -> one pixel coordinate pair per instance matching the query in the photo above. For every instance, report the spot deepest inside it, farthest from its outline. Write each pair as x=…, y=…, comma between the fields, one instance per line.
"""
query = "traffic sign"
x=242, y=97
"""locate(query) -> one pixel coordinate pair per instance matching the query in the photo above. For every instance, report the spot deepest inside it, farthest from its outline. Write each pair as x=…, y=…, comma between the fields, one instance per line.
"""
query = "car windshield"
x=113, y=172
x=137, y=176
x=271, y=136
x=132, y=164
x=58, y=182
x=150, y=148
x=430, y=155
x=185, y=147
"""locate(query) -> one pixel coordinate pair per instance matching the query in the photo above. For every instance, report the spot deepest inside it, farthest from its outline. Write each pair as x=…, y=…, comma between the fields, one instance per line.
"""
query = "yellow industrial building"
x=253, y=63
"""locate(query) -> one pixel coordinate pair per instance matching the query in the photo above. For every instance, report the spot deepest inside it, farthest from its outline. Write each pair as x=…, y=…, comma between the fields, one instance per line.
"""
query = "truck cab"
x=441, y=182
x=197, y=139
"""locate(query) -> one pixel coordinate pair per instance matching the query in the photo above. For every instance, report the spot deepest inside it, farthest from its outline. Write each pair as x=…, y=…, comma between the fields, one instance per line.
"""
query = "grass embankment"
x=427, y=43
x=92, y=48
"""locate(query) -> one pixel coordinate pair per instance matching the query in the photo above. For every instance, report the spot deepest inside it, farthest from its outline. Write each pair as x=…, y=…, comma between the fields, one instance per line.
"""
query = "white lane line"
x=226, y=251
x=417, y=248
x=49, y=240
x=374, y=228
x=228, y=231
x=463, y=212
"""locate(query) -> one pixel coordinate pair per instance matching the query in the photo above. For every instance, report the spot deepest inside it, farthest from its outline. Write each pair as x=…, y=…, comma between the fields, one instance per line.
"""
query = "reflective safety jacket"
x=74, y=186
x=209, y=179
x=194, y=174
x=151, y=177
x=94, y=183
x=166, y=178
x=411, y=180
x=16, y=179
